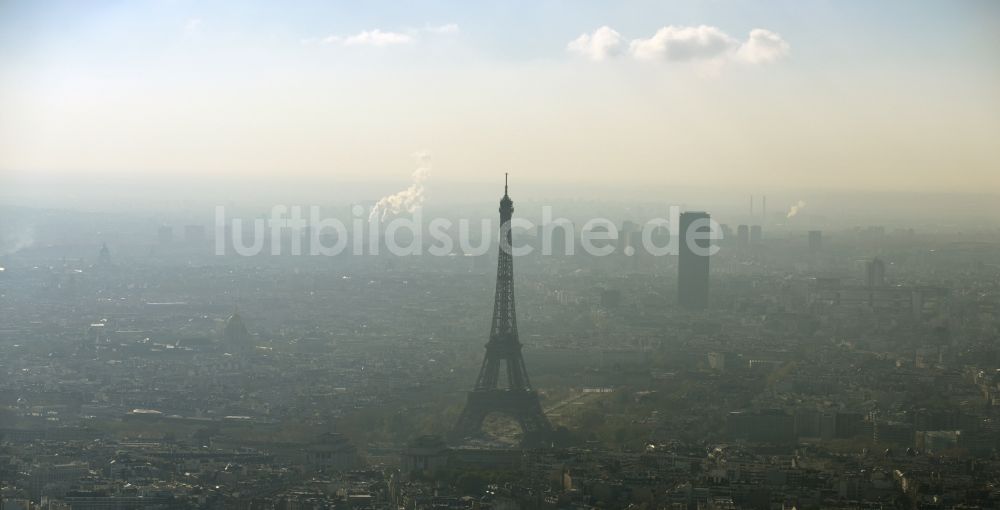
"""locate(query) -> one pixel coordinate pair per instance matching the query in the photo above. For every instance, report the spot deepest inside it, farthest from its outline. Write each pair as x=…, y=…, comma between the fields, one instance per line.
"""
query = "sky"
x=708, y=94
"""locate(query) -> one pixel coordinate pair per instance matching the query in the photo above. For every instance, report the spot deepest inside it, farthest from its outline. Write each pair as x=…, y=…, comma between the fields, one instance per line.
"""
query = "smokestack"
x=763, y=209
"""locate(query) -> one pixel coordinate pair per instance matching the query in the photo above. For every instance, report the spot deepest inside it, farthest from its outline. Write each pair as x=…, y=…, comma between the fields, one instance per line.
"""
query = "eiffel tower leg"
x=470, y=422
x=522, y=406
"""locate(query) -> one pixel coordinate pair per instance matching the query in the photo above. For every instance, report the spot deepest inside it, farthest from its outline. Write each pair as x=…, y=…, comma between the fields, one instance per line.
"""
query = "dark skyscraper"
x=104, y=257
x=503, y=359
x=875, y=273
x=692, y=268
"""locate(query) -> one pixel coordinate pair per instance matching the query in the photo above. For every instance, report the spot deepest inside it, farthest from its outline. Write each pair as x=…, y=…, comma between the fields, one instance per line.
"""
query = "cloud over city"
x=603, y=43
x=379, y=38
x=682, y=44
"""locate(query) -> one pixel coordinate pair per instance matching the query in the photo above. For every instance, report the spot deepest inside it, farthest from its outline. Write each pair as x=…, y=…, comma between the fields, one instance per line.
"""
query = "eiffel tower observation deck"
x=513, y=396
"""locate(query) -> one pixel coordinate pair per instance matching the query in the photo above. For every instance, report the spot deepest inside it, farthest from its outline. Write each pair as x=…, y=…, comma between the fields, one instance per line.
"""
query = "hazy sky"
x=791, y=94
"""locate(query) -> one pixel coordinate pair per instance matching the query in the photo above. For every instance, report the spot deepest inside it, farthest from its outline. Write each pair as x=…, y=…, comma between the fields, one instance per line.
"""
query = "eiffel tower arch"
x=514, y=396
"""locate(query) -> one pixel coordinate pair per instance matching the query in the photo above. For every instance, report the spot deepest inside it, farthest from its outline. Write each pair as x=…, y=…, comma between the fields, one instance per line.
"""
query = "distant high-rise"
x=104, y=257
x=742, y=236
x=756, y=234
x=727, y=231
x=692, y=267
x=815, y=240
x=875, y=273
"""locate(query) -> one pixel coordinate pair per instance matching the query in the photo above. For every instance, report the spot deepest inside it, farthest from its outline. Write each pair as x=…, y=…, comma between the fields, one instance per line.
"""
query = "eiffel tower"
x=517, y=400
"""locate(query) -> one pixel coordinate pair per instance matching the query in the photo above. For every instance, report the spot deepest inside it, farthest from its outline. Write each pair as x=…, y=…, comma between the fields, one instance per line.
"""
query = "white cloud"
x=683, y=43
x=376, y=37
x=380, y=38
x=603, y=43
x=763, y=47
x=672, y=43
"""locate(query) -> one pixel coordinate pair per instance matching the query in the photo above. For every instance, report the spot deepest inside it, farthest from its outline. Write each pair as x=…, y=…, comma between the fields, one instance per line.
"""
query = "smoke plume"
x=16, y=238
x=795, y=208
x=410, y=198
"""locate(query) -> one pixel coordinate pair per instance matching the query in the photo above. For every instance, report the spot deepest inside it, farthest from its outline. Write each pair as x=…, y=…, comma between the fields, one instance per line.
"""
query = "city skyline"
x=265, y=255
